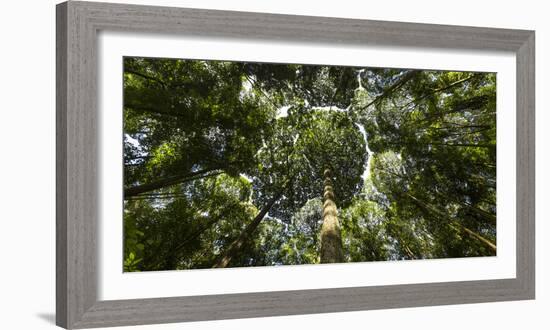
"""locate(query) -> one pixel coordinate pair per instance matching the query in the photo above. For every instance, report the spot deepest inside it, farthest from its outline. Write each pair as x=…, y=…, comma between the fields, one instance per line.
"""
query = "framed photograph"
x=217, y=165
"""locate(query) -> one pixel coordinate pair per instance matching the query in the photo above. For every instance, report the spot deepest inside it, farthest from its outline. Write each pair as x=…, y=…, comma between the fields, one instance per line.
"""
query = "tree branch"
x=170, y=181
x=236, y=245
x=145, y=76
x=406, y=78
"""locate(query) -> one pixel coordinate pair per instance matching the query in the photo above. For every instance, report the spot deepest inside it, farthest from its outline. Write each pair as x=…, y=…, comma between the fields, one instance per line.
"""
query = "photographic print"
x=241, y=164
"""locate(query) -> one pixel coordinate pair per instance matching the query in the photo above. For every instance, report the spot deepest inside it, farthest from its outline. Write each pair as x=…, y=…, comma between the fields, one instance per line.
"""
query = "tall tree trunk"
x=431, y=209
x=331, y=237
x=193, y=236
x=480, y=238
x=237, y=244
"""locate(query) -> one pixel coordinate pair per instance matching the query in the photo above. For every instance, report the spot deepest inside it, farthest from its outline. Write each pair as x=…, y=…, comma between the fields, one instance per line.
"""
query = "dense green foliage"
x=224, y=163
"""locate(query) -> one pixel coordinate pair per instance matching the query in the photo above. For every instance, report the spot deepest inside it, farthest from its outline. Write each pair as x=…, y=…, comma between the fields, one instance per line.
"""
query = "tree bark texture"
x=331, y=237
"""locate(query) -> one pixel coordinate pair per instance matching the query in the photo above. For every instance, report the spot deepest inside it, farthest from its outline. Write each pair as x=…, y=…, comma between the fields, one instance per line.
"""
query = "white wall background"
x=27, y=163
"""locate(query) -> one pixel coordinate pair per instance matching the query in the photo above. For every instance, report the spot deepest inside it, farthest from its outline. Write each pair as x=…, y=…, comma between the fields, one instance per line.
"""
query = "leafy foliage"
x=219, y=153
x=306, y=143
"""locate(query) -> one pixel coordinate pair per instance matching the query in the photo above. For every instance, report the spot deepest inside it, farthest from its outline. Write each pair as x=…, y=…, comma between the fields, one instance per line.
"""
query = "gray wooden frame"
x=77, y=153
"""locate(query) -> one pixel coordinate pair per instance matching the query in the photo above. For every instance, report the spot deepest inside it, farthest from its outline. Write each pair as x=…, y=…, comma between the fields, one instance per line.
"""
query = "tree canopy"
x=232, y=164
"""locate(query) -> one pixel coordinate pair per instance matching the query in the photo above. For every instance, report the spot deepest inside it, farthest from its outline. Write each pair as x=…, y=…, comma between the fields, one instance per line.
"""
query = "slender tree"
x=331, y=237
x=234, y=248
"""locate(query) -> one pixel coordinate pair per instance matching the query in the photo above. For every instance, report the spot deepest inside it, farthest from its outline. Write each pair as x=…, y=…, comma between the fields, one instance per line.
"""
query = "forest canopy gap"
x=233, y=164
